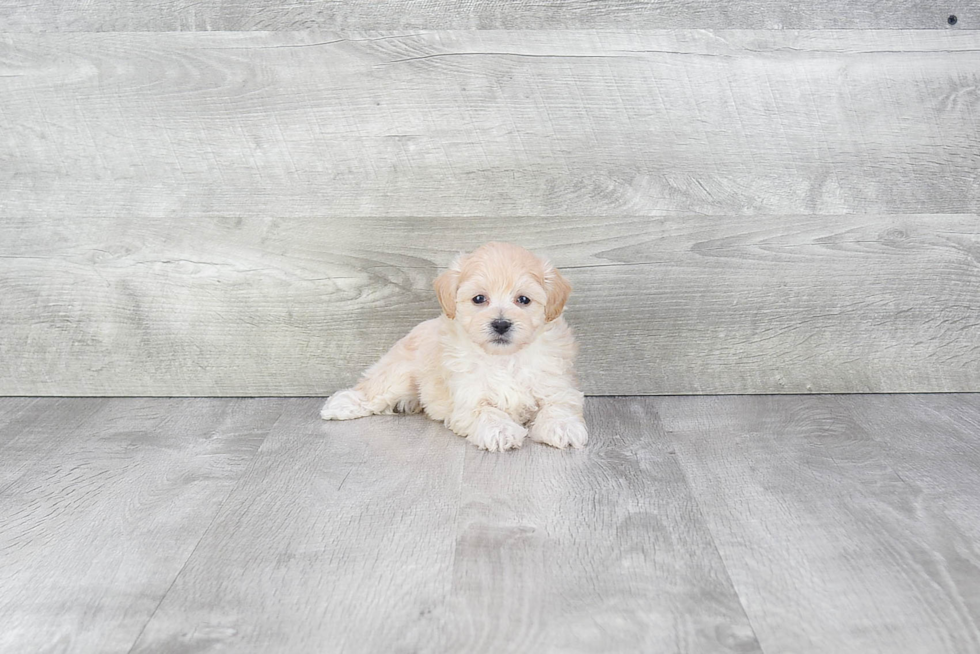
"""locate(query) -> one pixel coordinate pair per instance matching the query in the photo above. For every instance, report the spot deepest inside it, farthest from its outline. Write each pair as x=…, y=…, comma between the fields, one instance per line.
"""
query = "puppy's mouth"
x=500, y=340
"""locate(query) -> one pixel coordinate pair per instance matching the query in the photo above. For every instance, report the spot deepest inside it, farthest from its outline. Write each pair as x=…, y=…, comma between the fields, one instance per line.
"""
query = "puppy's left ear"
x=558, y=289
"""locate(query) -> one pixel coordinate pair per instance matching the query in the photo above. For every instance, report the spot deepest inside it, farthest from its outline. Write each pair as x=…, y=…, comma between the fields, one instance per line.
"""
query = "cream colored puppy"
x=496, y=367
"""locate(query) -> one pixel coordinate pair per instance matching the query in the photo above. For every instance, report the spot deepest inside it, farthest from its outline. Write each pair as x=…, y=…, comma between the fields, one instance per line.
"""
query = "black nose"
x=500, y=325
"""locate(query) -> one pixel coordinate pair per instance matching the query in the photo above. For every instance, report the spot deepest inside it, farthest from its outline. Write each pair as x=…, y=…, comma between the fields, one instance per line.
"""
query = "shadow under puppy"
x=496, y=367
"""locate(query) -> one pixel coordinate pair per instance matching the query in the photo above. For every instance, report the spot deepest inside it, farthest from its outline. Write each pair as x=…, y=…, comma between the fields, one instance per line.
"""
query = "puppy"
x=495, y=367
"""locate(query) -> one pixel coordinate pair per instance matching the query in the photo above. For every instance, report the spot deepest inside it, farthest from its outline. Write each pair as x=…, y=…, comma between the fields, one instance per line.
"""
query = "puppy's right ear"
x=446, y=286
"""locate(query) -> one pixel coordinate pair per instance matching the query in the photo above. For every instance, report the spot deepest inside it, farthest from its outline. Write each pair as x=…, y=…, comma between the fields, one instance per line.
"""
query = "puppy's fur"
x=493, y=389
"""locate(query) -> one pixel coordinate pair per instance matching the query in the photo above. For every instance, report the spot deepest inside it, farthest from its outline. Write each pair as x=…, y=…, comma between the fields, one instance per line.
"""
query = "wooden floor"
x=690, y=524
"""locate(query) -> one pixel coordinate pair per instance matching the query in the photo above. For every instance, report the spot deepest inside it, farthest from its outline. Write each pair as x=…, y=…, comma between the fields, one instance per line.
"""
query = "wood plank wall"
x=250, y=198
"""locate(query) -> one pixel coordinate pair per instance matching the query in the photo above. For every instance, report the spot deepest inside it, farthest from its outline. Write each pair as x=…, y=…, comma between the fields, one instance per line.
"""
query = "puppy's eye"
x=524, y=299
x=479, y=299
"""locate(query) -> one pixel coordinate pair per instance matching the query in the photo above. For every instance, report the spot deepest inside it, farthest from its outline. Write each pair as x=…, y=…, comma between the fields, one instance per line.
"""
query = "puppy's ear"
x=446, y=285
x=558, y=289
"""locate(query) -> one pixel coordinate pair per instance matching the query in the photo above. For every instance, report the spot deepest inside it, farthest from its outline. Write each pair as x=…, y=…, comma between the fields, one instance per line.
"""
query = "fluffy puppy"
x=495, y=367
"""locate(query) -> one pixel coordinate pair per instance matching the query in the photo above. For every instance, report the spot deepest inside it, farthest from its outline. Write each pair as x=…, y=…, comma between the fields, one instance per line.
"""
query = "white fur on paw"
x=345, y=405
x=496, y=435
x=560, y=432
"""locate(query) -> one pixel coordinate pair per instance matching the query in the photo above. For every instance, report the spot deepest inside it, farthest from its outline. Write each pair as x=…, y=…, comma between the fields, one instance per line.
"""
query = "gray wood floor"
x=689, y=524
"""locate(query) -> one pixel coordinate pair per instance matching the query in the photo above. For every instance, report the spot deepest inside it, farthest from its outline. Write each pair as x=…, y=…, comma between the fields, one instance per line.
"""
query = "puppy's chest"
x=508, y=388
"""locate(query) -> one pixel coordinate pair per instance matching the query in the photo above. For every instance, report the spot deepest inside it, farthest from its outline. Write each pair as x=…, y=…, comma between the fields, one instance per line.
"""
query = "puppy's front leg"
x=386, y=387
x=488, y=428
x=561, y=424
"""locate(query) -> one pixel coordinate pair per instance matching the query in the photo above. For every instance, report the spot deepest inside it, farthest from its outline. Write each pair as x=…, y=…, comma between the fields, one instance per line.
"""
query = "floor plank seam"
x=207, y=530
x=459, y=507
x=707, y=525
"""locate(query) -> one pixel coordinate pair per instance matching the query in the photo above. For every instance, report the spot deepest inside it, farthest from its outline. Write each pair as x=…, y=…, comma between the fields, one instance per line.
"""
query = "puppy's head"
x=502, y=294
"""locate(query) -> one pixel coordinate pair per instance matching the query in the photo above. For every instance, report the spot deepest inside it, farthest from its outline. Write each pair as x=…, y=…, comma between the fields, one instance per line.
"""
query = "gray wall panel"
x=690, y=304
x=207, y=15
x=263, y=213
x=490, y=123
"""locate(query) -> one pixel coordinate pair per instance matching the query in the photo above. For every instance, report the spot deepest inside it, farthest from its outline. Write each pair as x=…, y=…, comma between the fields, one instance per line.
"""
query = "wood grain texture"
x=798, y=524
x=602, y=550
x=237, y=213
x=131, y=15
x=488, y=123
x=372, y=536
x=826, y=543
x=14, y=410
x=97, y=527
x=933, y=442
x=339, y=539
x=692, y=304
x=31, y=430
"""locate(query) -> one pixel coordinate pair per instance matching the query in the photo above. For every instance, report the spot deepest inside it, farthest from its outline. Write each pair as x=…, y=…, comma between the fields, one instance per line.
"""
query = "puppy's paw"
x=345, y=405
x=560, y=432
x=497, y=435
